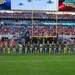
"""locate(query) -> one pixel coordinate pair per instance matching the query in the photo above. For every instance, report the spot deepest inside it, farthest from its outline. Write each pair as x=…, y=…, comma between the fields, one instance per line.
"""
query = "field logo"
x=70, y=3
x=2, y=1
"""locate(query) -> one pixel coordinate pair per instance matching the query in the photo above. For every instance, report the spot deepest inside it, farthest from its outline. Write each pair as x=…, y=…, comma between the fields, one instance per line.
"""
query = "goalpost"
x=34, y=36
x=45, y=36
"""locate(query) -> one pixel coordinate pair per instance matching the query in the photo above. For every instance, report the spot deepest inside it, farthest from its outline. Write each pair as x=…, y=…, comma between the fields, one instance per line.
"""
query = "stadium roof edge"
x=50, y=12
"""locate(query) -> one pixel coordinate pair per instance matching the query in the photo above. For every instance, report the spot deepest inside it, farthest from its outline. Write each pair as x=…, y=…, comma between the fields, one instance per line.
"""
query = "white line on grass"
x=38, y=61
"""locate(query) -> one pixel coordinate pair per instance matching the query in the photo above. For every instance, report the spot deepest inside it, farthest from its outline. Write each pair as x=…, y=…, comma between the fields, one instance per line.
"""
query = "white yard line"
x=38, y=61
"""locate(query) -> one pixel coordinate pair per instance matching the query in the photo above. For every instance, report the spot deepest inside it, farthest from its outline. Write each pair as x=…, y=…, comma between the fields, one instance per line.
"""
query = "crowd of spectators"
x=21, y=26
x=39, y=15
x=44, y=30
x=66, y=30
x=38, y=30
x=12, y=29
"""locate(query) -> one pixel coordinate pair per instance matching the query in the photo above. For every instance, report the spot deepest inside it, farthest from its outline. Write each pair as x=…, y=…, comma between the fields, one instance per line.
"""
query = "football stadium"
x=37, y=37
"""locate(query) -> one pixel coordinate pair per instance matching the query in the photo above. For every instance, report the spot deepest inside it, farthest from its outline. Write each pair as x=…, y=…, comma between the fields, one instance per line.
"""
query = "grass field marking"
x=38, y=61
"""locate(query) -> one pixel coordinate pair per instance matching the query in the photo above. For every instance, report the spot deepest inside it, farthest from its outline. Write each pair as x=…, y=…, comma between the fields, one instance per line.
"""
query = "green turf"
x=58, y=64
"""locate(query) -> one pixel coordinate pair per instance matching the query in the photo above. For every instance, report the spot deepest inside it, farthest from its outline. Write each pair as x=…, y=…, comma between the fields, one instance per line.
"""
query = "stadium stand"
x=16, y=30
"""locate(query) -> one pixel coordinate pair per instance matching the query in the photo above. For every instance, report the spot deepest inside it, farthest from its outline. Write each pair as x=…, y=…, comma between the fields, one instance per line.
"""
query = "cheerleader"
x=50, y=49
x=14, y=50
x=3, y=49
x=59, y=49
x=41, y=48
x=20, y=49
x=69, y=49
x=74, y=48
x=45, y=48
x=65, y=49
x=26, y=48
x=55, y=48
x=31, y=49
x=8, y=50
x=36, y=48
x=0, y=48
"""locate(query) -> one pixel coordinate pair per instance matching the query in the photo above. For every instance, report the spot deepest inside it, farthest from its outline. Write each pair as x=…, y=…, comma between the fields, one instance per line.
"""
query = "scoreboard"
x=5, y=5
x=66, y=5
x=47, y=5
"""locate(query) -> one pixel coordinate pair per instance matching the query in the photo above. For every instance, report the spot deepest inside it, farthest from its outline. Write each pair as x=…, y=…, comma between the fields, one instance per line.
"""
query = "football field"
x=38, y=64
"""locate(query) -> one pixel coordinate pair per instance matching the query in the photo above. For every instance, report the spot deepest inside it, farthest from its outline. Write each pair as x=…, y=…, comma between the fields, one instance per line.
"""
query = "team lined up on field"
x=36, y=48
